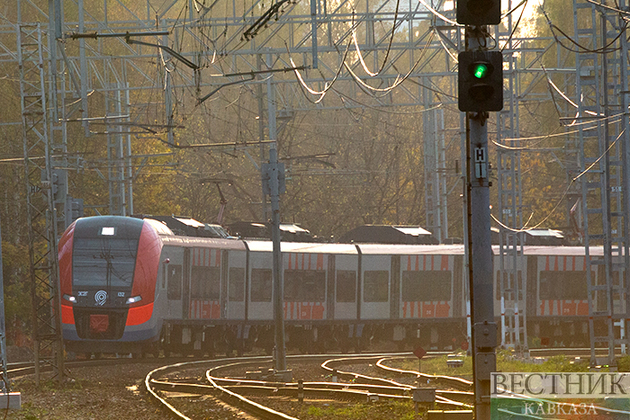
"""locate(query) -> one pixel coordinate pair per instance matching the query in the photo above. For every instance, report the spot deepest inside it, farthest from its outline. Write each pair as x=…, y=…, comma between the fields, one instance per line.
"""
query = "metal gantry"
x=435, y=176
x=603, y=140
x=41, y=193
x=511, y=280
x=209, y=50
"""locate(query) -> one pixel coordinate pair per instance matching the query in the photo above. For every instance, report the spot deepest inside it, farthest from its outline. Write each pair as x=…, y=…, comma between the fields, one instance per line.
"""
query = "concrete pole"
x=484, y=328
x=273, y=174
x=278, y=290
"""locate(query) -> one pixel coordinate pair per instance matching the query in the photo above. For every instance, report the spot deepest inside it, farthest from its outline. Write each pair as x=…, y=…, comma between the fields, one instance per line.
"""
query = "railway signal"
x=479, y=12
x=480, y=81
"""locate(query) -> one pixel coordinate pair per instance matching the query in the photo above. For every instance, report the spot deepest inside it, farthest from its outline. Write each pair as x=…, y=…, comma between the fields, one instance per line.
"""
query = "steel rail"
x=238, y=387
x=454, y=381
x=225, y=388
x=354, y=375
x=247, y=404
x=215, y=365
x=148, y=381
x=440, y=399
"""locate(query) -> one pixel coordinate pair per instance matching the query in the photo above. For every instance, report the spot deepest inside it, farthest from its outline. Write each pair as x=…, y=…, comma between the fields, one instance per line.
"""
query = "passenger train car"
x=130, y=286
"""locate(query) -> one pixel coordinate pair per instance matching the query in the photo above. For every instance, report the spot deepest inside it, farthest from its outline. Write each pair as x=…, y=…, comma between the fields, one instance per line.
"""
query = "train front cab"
x=107, y=308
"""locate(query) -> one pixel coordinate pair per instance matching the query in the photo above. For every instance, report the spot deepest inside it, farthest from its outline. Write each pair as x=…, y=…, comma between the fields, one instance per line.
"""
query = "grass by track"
x=506, y=362
x=338, y=410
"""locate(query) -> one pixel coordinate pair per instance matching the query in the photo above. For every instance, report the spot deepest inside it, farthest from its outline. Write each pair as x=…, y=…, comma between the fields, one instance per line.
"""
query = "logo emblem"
x=100, y=297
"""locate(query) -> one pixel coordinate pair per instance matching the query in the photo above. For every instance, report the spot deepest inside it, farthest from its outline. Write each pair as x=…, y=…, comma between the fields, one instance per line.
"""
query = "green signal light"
x=480, y=70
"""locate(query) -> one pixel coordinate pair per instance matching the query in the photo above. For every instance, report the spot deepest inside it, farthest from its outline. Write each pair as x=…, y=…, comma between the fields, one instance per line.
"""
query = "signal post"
x=480, y=84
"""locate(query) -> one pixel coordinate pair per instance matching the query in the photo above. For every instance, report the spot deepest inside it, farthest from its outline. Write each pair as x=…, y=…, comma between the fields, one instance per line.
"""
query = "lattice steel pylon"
x=42, y=215
x=118, y=152
x=603, y=137
x=436, y=194
x=511, y=280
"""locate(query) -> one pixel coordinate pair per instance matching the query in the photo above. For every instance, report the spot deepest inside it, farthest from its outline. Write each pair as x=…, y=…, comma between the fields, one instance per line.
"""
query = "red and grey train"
x=129, y=285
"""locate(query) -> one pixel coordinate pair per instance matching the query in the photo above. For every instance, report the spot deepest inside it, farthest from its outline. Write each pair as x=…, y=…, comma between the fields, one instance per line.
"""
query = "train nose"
x=99, y=324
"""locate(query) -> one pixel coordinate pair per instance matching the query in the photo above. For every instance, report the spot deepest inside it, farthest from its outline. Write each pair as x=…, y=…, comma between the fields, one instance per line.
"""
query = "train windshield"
x=104, y=262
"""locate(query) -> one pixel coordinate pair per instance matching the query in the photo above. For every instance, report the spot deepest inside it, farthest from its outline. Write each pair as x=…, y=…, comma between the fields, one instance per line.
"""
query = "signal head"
x=480, y=81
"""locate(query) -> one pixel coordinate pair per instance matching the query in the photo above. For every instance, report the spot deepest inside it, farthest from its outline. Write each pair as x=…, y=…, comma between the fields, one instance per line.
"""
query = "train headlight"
x=134, y=299
x=70, y=298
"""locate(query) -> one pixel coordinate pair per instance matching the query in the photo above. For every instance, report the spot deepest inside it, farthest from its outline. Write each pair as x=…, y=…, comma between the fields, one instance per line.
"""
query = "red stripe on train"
x=67, y=314
x=139, y=314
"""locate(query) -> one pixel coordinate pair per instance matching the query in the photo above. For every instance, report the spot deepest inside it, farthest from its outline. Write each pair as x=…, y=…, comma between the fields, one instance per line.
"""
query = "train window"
x=346, y=286
x=261, y=285
x=426, y=286
x=205, y=282
x=236, y=284
x=563, y=285
x=376, y=285
x=104, y=261
x=304, y=285
x=174, y=291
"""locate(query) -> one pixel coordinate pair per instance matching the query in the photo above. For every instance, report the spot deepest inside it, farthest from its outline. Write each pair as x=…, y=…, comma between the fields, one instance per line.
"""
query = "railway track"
x=166, y=383
x=352, y=382
x=19, y=369
x=359, y=378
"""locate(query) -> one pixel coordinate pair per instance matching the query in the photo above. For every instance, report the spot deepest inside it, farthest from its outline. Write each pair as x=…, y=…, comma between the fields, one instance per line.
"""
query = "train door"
x=172, y=280
x=305, y=286
x=375, y=270
x=186, y=284
x=394, y=309
x=225, y=263
x=346, y=286
x=205, y=284
x=260, y=306
x=459, y=291
x=236, y=269
x=330, y=287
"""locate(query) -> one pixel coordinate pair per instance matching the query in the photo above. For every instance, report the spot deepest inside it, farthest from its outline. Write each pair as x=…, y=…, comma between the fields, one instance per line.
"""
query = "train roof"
x=186, y=226
x=200, y=242
x=578, y=251
x=394, y=249
x=160, y=227
x=105, y=226
x=303, y=247
x=366, y=249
